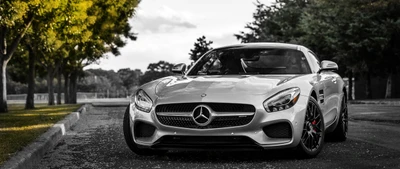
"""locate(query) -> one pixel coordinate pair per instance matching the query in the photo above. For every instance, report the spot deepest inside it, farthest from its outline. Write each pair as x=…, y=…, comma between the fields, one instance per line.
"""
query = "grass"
x=19, y=127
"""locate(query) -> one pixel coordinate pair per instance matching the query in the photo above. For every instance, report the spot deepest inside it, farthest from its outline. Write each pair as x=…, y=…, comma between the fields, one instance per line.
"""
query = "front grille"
x=217, y=107
x=278, y=130
x=217, y=122
x=186, y=120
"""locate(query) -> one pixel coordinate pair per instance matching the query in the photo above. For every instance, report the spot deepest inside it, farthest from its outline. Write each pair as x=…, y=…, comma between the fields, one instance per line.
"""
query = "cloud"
x=162, y=24
x=223, y=39
x=149, y=49
x=168, y=29
x=165, y=20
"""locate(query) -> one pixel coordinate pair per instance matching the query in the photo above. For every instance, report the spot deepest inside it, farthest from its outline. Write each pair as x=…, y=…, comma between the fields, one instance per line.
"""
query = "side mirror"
x=179, y=68
x=327, y=65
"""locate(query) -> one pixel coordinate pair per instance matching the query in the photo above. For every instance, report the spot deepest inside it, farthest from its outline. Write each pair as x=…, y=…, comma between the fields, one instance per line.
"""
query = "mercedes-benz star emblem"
x=202, y=115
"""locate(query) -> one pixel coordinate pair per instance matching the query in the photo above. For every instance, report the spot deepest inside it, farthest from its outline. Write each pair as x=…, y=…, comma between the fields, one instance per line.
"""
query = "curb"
x=31, y=154
x=110, y=104
x=375, y=120
x=392, y=103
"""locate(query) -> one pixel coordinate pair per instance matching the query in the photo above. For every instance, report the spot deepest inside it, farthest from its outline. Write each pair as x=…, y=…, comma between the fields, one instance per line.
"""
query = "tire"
x=340, y=132
x=131, y=143
x=312, y=137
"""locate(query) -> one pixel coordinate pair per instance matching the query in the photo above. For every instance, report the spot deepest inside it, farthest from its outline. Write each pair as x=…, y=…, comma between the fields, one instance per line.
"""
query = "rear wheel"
x=340, y=132
x=127, y=126
x=312, y=138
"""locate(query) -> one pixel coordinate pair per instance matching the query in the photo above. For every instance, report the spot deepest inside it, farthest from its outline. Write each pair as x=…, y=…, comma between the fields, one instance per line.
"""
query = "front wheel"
x=129, y=138
x=312, y=138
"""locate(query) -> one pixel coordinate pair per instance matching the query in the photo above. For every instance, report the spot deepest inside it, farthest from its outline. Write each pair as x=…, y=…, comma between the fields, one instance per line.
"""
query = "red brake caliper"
x=314, y=122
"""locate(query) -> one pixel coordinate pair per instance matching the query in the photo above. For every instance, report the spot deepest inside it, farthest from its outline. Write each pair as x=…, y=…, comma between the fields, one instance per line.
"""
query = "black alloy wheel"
x=312, y=138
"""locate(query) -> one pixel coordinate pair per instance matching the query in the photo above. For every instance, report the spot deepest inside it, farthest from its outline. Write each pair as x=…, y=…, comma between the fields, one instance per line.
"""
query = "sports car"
x=247, y=96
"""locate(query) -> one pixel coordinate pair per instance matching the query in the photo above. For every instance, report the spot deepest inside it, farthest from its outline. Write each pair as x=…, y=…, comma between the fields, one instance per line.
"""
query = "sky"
x=167, y=30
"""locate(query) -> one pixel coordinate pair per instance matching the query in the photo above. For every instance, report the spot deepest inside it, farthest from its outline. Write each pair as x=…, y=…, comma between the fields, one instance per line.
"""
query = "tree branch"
x=11, y=49
x=43, y=57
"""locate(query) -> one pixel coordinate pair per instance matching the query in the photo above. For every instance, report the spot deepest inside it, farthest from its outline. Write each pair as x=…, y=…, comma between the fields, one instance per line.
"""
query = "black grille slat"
x=230, y=121
x=177, y=121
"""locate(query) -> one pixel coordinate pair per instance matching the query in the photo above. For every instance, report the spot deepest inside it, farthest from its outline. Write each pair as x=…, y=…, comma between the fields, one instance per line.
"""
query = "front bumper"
x=250, y=135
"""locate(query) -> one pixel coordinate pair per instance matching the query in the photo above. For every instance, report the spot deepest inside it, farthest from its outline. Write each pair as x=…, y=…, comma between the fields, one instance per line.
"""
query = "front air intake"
x=278, y=130
x=144, y=130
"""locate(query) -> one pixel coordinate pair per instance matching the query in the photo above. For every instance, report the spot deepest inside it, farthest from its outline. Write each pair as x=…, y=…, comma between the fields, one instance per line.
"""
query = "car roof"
x=262, y=45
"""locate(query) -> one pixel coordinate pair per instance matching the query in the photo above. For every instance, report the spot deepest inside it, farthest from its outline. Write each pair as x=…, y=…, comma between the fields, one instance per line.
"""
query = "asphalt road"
x=97, y=142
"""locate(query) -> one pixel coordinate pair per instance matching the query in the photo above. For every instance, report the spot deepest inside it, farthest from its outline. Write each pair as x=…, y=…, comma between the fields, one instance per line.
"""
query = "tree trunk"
x=30, y=98
x=389, y=86
x=368, y=90
x=59, y=86
x=3, y=63
x=72, y=88
x=66, y=88
x=6, y=53
x=50, y=87
x=350, y=92
x=3, y=84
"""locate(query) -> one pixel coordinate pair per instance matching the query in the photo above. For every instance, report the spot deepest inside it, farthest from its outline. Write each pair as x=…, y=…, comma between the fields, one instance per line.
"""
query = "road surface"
x=97, y=142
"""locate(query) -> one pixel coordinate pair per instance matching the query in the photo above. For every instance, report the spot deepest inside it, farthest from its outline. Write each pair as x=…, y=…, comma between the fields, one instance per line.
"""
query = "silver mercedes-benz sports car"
x=247, y=96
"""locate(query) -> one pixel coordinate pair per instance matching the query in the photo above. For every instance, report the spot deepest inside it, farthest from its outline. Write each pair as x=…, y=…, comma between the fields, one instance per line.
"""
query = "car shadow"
x=223, y=156
x=227, y=156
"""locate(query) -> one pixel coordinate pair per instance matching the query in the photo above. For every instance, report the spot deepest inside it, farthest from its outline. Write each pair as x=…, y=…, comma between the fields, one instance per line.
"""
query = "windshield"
x=251, y=61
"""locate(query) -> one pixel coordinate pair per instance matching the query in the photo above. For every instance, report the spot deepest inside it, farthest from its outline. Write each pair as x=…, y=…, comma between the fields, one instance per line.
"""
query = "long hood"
x=238, y=85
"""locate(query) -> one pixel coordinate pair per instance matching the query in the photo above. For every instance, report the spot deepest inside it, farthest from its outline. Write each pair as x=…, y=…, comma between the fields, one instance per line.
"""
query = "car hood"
x=241, y=84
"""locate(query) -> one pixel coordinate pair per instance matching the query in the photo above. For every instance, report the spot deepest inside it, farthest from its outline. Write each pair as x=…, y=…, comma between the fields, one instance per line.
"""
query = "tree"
x=30, y=100
x=278, y=22
x=16, y=18
x=93, y=83
x=201, y=46
x=161, y=66
x=354, y=33
x=109, y=32
x=156, y=71
x=130, y=78
x=360, y=35
x=51, y=32
x=111, y=75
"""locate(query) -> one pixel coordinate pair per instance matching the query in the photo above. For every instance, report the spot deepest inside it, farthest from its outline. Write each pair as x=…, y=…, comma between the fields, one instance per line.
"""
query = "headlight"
x=143, y=101
x=282, y=100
